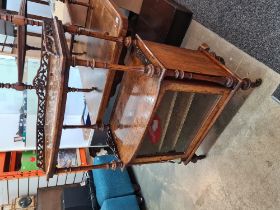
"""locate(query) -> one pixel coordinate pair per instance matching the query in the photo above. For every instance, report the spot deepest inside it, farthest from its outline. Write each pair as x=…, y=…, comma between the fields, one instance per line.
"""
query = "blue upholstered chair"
x=128, y=202
x=111, y=185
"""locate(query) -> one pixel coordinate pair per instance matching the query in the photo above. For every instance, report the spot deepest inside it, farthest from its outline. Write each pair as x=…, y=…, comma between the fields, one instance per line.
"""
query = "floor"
x=252, y=26
x=242, y=167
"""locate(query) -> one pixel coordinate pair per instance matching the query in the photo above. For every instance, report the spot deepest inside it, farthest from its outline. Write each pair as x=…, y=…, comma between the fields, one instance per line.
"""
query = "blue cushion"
x=122, y=203
x=110, y=183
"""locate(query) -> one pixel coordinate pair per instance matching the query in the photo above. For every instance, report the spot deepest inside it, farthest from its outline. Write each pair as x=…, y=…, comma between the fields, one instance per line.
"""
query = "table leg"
x=115, y=67
x=100, y=127
x=85, y=90
x=76, y=30
x=19, y=20
x=17, y=86
x=112, y=165
x=247, y=83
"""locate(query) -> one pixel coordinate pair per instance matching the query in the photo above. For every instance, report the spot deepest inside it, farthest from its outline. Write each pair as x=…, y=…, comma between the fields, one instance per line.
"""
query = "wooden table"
x=52, y=95
x=51, y=81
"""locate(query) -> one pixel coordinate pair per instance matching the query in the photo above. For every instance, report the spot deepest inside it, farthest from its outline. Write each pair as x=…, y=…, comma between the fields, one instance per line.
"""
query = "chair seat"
x=110, y=183
x=123, y=203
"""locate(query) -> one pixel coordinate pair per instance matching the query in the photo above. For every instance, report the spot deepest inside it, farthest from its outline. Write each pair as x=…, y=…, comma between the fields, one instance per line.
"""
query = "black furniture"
x=67, y=197
x=163, y=21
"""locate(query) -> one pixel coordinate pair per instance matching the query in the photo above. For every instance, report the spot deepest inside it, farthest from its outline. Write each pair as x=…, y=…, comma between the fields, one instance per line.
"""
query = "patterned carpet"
x=253, y=26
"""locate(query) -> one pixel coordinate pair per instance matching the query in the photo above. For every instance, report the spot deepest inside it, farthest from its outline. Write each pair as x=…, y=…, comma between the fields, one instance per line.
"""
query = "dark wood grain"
x=133, y=113
x=21, y=41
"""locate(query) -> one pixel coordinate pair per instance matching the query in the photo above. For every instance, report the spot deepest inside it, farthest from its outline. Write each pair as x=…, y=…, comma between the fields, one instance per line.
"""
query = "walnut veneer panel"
x=193, y=61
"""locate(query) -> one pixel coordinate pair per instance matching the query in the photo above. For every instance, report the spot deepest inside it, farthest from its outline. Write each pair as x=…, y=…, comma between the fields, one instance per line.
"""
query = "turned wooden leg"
x=194, y=159
x=112, y=165
x=100, y=127
x=76, y=30
x=98, y=64
x=17, y=86
x=84, y=90
x=19, y=20
x=27, y=47
x=247, y=83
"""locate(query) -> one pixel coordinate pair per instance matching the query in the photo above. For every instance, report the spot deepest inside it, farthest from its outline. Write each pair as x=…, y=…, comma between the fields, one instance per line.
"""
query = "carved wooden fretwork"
x=48, y=38
x=141, y=56
x=150, y=69
x=40, y=84
x=111, y=143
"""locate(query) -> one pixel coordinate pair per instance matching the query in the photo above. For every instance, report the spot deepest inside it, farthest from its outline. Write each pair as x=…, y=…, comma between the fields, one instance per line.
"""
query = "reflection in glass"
x=176, y=122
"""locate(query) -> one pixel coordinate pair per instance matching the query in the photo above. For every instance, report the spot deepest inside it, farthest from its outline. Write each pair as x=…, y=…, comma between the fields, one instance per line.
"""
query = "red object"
x=83, y=156
x=154, y=130
x=2, y=161
x=13, y=160
x=32, y=159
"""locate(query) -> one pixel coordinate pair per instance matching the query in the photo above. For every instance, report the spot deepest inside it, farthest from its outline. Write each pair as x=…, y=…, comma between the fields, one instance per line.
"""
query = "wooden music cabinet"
x=165, y=113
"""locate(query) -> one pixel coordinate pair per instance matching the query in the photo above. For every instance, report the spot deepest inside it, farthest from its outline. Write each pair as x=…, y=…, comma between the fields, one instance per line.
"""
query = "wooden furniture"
x=168, y=25
x=165, y=113
x=51, y=81
x=64, y=197
x=50, y=198
x=154, y=74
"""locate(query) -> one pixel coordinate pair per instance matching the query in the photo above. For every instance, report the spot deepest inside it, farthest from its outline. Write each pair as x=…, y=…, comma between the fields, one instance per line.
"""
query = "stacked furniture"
x=168, y=100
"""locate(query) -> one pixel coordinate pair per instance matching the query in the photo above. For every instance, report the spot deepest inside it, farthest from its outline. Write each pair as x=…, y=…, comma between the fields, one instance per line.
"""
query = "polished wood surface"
x=57, y=88
x=105, y=18
x=142, y=93
x=193, y=61
x=21, y=42
x=151, y=71
x=134, y=109
x=80, y=13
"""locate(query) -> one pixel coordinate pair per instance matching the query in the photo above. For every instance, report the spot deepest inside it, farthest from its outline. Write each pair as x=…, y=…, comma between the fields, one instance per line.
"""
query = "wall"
x=13, y=188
